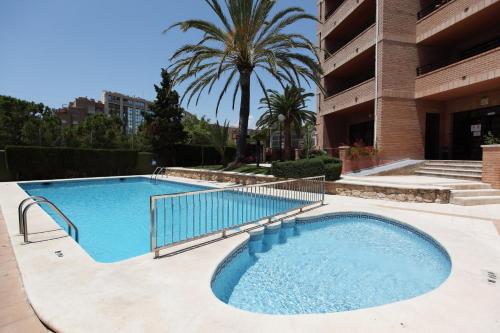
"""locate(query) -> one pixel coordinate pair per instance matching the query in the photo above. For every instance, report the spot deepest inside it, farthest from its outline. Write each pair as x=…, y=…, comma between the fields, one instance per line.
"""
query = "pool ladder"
x=158, y=172
x=22, y=211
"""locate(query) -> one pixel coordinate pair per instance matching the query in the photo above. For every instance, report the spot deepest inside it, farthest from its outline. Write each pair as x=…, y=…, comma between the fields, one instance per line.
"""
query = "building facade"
x=129, y=109
x=416, y=78
x=79, y=109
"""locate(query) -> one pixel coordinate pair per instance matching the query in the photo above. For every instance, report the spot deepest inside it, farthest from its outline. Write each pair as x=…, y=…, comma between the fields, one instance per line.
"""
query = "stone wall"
x=220, y=176
x=402, y=194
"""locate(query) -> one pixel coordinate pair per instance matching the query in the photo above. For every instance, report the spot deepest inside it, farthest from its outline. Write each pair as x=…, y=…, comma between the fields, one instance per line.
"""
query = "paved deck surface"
x=16, y=314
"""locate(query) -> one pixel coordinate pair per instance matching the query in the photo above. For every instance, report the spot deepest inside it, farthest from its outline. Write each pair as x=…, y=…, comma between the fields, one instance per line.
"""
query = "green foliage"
x=144, y=163
x=14, y=113
x=250, y=37
x=308, y=142
x=291, y=105
x=219, y=135
x=318, y=166
x=164, y=123
x=193, y=155
x=4, y=172
x=490, y=139
x=101, y=132
x=197, y=130
x=27, y=163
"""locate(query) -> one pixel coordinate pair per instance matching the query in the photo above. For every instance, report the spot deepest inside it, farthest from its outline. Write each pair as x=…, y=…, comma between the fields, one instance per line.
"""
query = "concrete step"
x=455, y=162
x=453, y=166
x=475, y=201
x=470, y=186
x=447, y=174
x=465, y=171
x=474, y=193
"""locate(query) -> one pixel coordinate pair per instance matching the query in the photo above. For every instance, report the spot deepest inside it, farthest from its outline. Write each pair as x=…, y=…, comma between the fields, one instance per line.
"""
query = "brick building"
x=76, y=111
x=417, y=78
x=129, y=108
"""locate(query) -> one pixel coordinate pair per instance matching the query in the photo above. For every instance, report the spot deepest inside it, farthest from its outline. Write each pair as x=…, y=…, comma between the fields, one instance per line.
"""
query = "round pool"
x=332, y=263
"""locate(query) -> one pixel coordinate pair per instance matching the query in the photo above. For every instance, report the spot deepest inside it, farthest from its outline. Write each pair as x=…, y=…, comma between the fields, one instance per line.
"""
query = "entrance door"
x=432, y=136
x=469, y=129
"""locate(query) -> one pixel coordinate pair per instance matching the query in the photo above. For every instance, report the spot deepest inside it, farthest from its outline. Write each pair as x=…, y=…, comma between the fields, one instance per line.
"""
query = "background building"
x=419, y=79
x=128, y=108
x=76, y=111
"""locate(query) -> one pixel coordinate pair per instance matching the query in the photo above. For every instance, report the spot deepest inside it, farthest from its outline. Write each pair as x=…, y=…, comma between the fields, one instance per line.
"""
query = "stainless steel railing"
x=22, y=211
x=158, y=171
x=183, y=217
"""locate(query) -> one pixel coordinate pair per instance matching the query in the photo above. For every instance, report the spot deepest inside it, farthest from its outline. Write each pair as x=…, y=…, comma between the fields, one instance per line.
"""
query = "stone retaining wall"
x=389, y=193
x=220, y=176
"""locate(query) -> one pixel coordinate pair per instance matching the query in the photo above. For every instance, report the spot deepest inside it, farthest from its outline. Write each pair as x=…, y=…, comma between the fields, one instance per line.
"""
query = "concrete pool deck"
x=73, y=293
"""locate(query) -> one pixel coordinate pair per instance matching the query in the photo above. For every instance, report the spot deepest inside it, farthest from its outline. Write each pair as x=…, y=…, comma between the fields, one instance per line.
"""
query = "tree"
x=247, y=40
x=219, y=135
x=42, y=129
x=14, y=113
x=101, y=131
x=292, y=105
x=164, y=123
x=197, y=130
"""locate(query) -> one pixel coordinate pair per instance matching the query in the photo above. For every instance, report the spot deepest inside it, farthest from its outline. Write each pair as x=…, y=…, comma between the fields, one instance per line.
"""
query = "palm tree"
x=291, y=105
x=248, y=40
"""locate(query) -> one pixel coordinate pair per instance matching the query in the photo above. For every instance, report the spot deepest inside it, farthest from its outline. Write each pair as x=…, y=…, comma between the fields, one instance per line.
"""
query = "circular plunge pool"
x=332, y=263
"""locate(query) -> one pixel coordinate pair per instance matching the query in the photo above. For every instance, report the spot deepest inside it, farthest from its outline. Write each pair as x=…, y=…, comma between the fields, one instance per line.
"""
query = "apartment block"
x=79, y=109
x=130, y=109
x=416, y=78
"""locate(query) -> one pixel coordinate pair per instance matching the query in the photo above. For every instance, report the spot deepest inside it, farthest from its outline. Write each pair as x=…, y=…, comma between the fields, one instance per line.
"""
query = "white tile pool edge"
x=174, y=293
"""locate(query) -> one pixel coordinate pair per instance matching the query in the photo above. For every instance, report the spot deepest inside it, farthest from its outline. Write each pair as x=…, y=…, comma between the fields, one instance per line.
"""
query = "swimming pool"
x=113, y=215
x=333, y=263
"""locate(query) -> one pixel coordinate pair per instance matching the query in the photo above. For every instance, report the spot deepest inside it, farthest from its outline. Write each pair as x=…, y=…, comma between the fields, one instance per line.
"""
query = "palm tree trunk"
x=244, y=114
x=288, y=139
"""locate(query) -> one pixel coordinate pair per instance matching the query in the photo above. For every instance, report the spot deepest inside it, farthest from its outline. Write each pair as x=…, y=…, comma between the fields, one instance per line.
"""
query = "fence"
x=182, y=217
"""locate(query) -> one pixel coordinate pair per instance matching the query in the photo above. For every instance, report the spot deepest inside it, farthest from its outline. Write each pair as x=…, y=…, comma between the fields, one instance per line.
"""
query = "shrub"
x=318, y=166
x=4, y=173
x=30, y=162
x=144, y=163
x=194, y=155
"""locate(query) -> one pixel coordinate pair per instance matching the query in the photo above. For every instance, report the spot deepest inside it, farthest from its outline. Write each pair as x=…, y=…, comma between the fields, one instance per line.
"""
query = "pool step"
x=475, y=201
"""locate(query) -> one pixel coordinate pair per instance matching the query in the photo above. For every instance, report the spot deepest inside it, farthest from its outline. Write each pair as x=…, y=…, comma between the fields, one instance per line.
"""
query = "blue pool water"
x=335, y=263
x=113, y=215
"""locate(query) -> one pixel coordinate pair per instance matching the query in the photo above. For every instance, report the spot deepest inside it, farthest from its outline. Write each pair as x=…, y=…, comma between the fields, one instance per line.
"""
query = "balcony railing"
x=347, y=84
x=431, y=8
x=468, y=53
x=361, y=29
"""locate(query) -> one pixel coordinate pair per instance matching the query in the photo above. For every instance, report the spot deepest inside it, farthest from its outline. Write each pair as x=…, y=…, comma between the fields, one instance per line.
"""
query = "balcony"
x=466, y=54
x=469, y=76
x=446, y=19
x=351, y=50
x=339, y=14
x=355, y=95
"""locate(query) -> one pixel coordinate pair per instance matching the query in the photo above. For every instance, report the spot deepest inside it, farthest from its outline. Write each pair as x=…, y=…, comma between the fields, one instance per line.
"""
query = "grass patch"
x=243, y=169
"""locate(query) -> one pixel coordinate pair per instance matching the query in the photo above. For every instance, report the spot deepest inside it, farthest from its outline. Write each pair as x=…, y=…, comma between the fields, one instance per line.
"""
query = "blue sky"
x=55, y=50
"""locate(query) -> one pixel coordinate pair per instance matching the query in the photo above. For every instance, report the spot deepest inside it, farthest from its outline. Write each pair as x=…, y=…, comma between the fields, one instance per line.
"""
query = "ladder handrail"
x=20, y=210
x=70, y=224
x=158, y=172
x=154, y=172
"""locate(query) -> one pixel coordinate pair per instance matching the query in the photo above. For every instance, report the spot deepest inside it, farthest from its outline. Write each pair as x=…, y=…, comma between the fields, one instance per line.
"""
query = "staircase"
x=468, y=193
x=468, y=170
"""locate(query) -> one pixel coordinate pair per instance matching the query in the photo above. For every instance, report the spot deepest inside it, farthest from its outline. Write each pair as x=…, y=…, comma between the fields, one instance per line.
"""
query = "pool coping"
x=173, y=293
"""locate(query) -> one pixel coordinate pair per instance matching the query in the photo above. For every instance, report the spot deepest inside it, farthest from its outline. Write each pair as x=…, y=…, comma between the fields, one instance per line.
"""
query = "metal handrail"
x=183, y=217
x=20, y=210
x=44, y=200
x=157, y=172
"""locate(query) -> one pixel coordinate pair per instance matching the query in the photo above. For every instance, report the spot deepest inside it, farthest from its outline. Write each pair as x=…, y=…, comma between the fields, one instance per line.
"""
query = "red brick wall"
x=491, y=165
x=479, y=69
x=448, y=15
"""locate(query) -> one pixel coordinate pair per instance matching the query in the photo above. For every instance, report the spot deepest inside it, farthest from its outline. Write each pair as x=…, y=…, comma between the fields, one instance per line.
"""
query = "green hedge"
x=145, y=163
x=191, y=155
x=26, y=163
x=318, y=166
x=4, y=172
